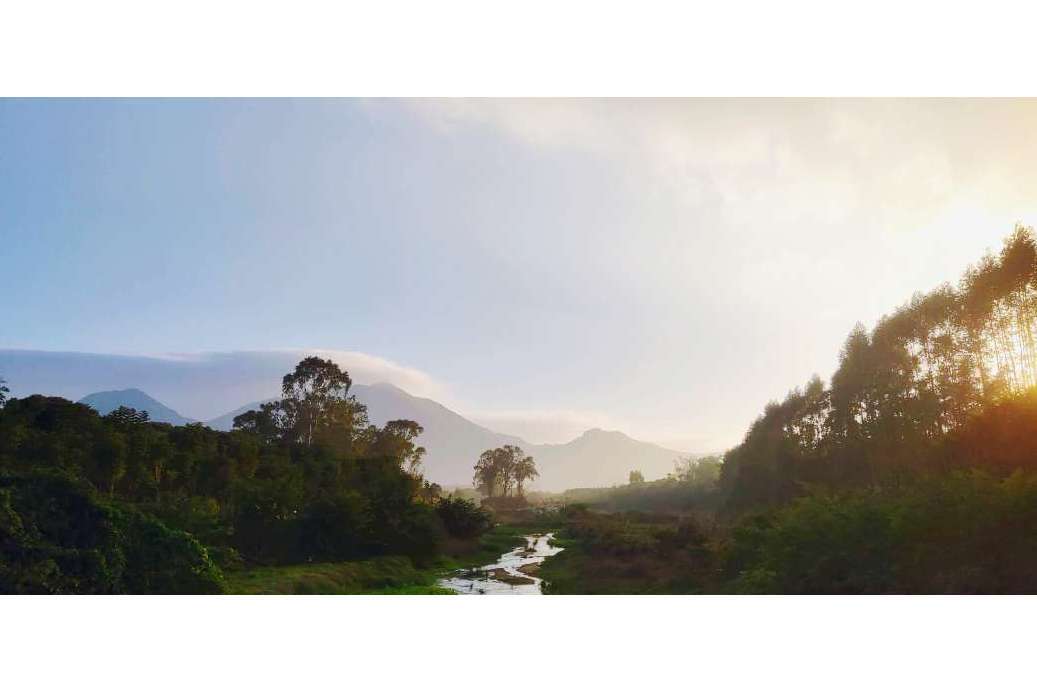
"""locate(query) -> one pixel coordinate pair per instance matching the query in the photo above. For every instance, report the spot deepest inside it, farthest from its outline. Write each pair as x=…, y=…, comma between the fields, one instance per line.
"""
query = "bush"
x=462, y=519
x=57, y=536
x=334, y=528
x=415, y=532
x=964, y=533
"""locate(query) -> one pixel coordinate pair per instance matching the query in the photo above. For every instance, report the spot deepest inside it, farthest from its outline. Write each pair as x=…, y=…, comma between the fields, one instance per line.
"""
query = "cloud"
x=199, y=385
x=368, y=369
x=819, y=159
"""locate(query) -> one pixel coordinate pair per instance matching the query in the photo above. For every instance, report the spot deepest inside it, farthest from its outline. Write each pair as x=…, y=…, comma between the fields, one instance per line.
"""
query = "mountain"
x=226, y=421
x=223, y=380
x=106, y=402
x=453, y=444
x=599, y=458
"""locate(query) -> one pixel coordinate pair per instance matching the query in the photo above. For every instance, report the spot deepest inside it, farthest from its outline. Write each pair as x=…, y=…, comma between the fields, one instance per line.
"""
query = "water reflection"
x=513, y=574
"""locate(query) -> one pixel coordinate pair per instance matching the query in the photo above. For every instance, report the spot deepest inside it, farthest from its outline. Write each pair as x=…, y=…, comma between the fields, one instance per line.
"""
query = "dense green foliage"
x=462, y=518
x=922, y=374
x=913, y=471
x=306, y=479
x=953, y=533
x=57, y=536
x=960, y=533
x=628, y=553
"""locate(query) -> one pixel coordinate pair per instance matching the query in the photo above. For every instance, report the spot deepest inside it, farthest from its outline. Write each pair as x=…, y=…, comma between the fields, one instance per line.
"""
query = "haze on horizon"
x=662, y=267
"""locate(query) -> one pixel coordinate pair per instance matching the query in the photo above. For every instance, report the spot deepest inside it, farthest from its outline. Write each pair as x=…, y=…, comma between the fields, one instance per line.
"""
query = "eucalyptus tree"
x=524, y=470
x=923, y=372
x=499, y=470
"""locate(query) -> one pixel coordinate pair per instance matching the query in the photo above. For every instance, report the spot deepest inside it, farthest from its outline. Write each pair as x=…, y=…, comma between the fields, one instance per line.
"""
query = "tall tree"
x=501, y=469
x=313, y=398
x=525, y=469
x=398, y=440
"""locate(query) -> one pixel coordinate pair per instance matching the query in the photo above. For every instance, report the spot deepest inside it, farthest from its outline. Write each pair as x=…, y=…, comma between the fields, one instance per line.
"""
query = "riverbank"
x=513, y=573
x=629, y=553
x=390, y=575
x=384, y=575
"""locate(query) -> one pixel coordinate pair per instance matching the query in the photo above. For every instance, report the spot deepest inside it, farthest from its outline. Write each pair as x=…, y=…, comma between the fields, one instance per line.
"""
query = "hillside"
x=599, y=458
x=453, y=443
x=105, y=402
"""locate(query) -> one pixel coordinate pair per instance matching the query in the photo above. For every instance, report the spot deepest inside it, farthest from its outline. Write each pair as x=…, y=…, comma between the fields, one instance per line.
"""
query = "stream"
x=513, y=574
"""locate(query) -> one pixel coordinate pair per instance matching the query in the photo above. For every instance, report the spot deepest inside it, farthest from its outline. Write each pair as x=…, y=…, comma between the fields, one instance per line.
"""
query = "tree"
x=315, y=408
x=125, y=417
x=314, y=397
x=500, y=469
x=263, y=423
x=304, y=478
x=397, y=440
x=524, y=470
x=462, y=518
x=4, y=391
x=636, y=477
x=57, y=536
x=111, y=460
x=486, y=471
x=925, y=371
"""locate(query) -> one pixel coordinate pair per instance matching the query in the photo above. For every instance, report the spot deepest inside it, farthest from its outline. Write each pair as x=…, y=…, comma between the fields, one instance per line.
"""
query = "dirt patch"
x=531, y=570
x=507, y=577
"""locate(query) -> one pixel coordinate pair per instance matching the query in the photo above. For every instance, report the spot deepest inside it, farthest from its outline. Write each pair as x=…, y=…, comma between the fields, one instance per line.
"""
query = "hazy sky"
x=661, y=267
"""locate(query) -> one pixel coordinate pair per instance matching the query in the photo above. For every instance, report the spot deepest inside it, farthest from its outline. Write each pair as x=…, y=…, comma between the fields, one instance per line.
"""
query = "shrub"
x=462, y=519
x=963, y=533
x=57, y=536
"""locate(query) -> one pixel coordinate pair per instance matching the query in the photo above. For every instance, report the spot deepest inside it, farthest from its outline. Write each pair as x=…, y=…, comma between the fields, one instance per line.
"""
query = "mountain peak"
x=106, y=402
x=601, y=434
x=388, y=387
x=132, y=390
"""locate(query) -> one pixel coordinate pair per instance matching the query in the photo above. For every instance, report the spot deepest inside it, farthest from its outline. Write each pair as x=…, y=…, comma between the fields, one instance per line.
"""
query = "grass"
x=396, y=575
x=616, y=554
x=384, y=575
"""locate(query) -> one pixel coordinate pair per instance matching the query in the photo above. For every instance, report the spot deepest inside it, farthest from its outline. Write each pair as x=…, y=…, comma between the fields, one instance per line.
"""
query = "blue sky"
x=662, y=267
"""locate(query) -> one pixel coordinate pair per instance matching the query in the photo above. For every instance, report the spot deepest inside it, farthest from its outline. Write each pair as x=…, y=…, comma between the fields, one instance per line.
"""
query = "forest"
x=942, y=383
x=119, y=504
x=914, y=470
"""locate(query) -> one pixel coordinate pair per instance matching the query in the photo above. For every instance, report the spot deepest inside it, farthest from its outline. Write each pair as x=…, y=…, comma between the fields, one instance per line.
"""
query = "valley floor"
x=391, y=575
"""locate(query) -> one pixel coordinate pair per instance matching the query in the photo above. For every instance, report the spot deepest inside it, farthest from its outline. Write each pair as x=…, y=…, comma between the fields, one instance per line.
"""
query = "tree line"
x=913, y=470
x=901, y=390
x=306, y=478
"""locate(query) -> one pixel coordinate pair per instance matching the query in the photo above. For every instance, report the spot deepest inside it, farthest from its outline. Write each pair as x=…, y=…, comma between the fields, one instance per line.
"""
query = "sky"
x=661, y=267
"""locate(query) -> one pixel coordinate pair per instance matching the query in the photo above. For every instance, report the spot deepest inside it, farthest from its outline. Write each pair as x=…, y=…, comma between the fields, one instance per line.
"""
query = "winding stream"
x=513, y=574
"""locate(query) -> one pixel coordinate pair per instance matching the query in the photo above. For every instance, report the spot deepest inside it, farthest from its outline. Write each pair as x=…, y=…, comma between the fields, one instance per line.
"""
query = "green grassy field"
x=386, y=575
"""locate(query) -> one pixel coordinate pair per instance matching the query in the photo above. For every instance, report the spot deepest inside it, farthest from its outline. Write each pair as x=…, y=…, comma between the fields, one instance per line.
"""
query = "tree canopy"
x=305, y=478
x=500, y=472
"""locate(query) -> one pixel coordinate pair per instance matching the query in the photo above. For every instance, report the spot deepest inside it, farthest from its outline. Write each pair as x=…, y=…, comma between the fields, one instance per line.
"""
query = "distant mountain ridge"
x=106, y=402
x=453, y=443
x=600, y=458
x=226, y=421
